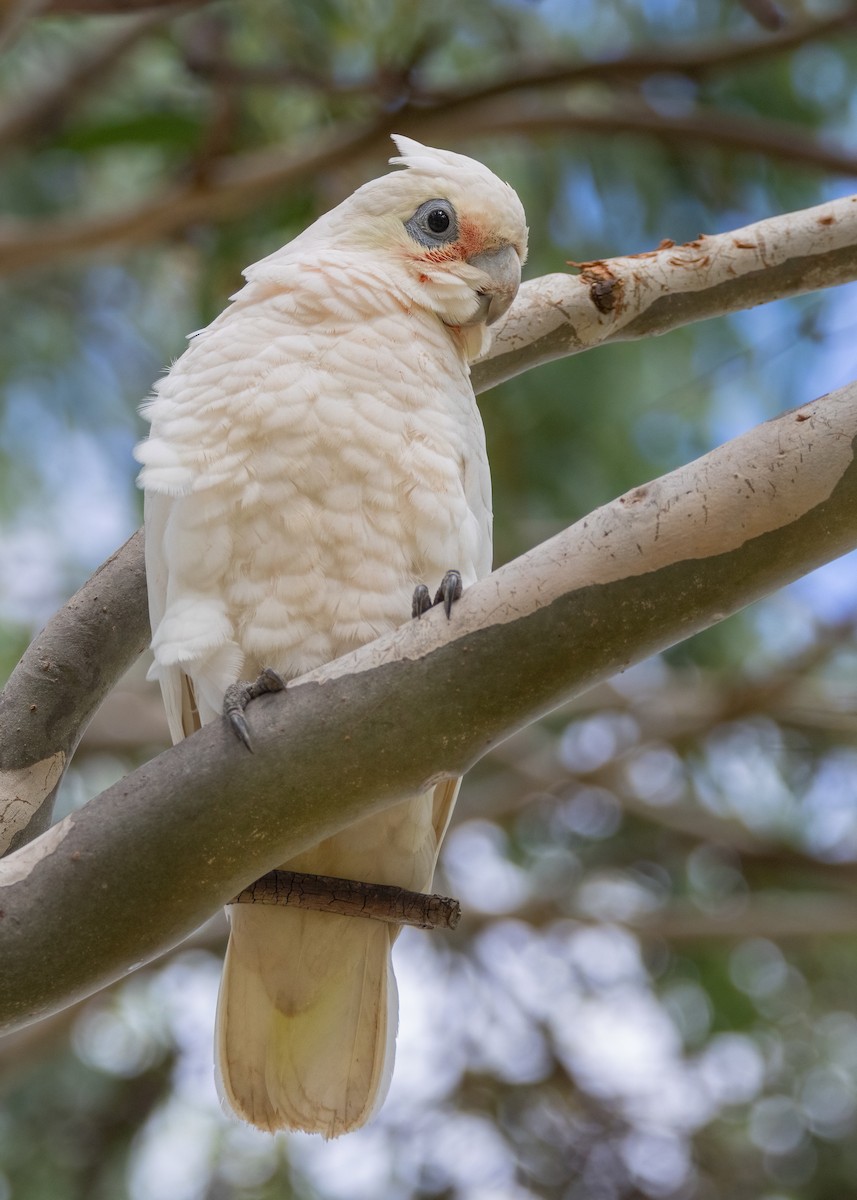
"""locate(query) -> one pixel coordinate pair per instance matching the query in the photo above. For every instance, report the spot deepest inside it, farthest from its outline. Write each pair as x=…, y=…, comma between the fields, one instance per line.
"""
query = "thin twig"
x=351, y=898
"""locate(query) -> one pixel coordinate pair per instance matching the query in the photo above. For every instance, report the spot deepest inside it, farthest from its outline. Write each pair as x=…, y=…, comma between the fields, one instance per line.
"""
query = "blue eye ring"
x=434, y=223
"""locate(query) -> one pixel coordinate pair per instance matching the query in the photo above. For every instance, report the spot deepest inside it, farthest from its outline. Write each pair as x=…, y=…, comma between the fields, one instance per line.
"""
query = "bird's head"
x=446, y=236
x=455, y=234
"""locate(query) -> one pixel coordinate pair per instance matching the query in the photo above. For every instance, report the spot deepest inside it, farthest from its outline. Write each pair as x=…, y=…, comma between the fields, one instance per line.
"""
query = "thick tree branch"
x=148, y=860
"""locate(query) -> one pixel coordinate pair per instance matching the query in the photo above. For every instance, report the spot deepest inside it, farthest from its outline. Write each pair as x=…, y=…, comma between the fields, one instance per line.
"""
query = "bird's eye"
x=433, y=224
x=438, y=220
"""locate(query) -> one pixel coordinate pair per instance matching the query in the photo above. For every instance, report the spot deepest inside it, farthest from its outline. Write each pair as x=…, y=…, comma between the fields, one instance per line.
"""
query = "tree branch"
x=351, y=898
x=232, y=185
x=624, y=299
x=60, y=682
x=148, y=860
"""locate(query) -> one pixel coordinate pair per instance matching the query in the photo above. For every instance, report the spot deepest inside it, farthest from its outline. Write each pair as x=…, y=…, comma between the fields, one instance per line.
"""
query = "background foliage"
x=653, y=991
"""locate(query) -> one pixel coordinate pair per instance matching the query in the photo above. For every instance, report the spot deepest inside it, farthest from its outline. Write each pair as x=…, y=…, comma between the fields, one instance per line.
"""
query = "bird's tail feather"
x=306, y=1019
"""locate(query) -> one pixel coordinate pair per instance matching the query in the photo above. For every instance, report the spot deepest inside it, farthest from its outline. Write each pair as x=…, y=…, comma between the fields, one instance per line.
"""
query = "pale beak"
x=504, y=270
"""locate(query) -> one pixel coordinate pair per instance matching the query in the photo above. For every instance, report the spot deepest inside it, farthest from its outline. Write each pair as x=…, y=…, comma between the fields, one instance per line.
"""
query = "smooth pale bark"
x=143, y=864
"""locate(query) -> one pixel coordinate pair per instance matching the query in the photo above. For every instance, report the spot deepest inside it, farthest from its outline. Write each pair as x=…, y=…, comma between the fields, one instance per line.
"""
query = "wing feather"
x=173, y=681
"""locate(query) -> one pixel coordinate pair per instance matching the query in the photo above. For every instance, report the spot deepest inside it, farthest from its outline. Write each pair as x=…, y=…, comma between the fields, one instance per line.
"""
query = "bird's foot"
x=449, y=591
x=238, y=696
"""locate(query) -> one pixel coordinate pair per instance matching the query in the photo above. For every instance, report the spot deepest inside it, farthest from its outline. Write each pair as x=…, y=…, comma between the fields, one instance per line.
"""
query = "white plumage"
x=314, y=455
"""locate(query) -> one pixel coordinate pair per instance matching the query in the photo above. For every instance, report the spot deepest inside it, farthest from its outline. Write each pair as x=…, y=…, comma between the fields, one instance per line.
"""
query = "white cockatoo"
x=315, y=455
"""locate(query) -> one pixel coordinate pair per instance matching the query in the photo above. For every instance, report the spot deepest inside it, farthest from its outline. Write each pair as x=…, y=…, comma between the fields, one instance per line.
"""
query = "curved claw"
x=449, y=591
x=238, y=696
x=421, y=602
x=240, y=728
